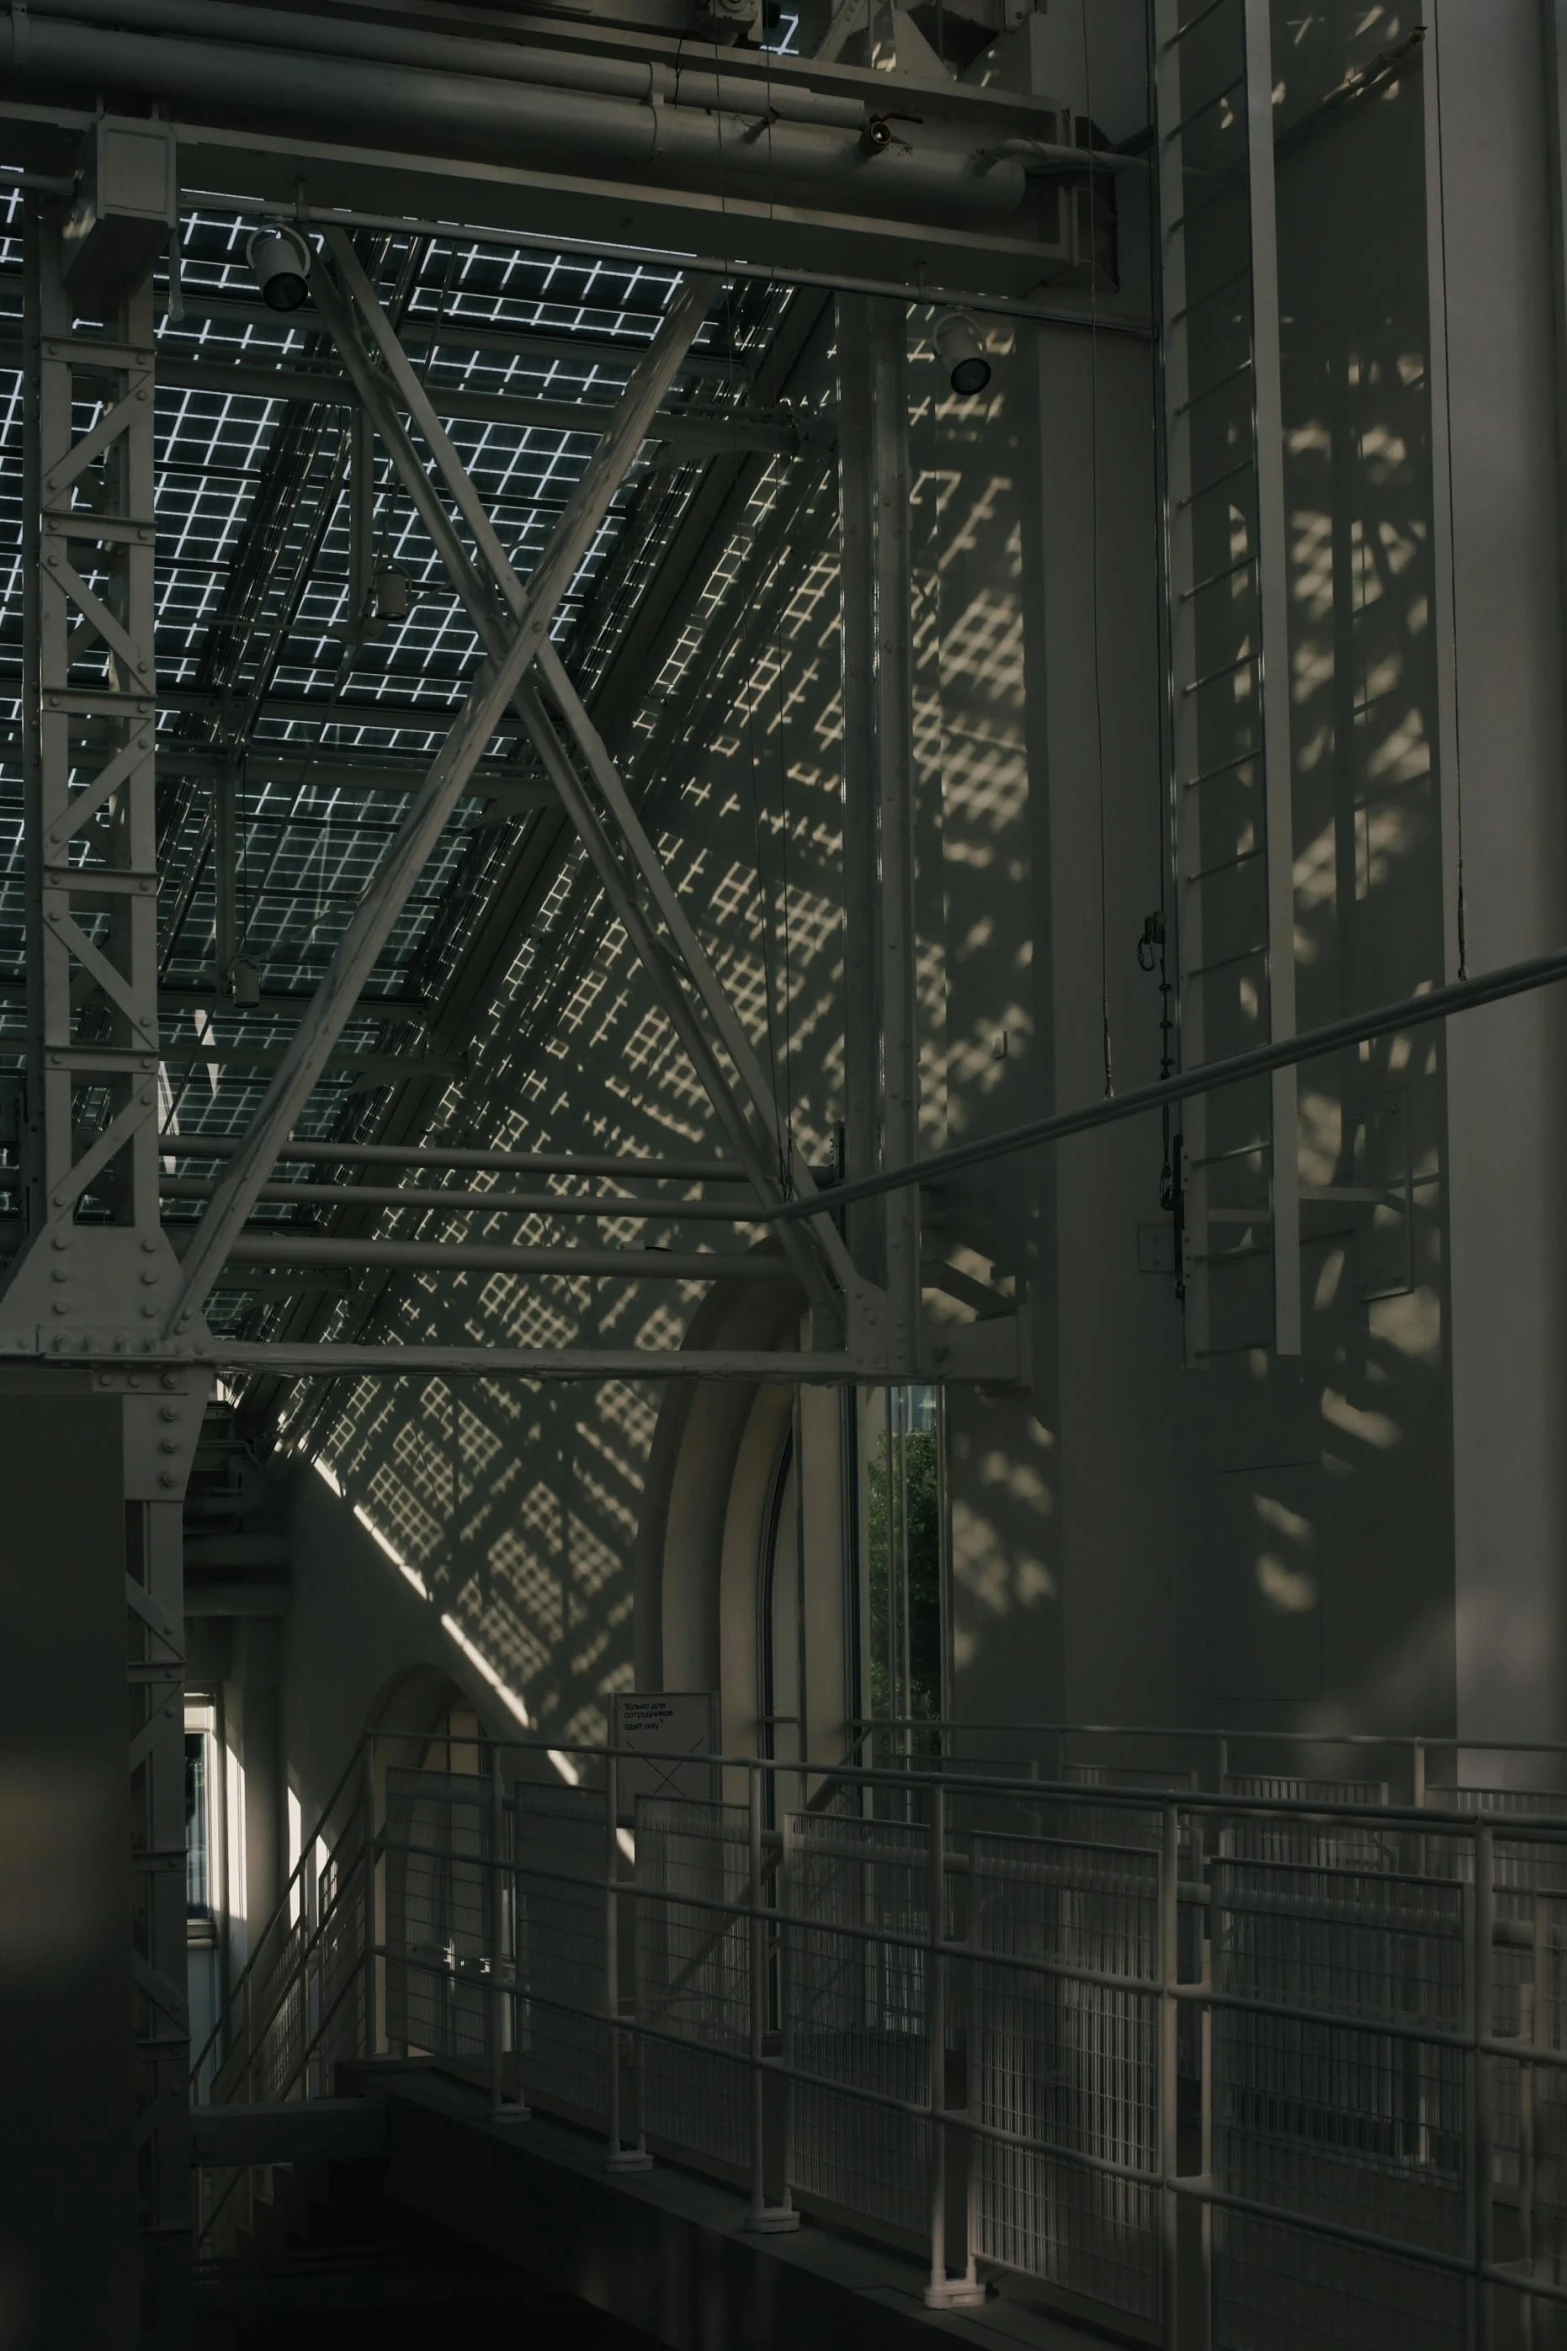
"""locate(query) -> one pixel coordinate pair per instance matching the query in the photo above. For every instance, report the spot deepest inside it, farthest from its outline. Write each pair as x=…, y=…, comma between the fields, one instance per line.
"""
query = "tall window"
x=200, y=1851
x=903, y=1545
x=204, y=1899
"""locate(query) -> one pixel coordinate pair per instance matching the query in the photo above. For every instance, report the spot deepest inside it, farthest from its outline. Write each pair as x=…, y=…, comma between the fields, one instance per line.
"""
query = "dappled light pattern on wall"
x=1311, y=1466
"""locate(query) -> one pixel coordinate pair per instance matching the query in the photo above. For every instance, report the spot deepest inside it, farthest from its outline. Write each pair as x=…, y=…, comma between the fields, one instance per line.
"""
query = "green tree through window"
x=904, y=1545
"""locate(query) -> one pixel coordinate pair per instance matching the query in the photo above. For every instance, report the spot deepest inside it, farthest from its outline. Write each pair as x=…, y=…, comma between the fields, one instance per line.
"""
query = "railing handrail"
x=909, y=1948
x=1204, y=1800
x=1547, y=1827
x=1200, y=1732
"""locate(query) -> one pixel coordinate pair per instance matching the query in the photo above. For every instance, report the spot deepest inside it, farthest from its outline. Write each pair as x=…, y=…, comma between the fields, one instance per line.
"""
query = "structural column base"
x=776, y=2220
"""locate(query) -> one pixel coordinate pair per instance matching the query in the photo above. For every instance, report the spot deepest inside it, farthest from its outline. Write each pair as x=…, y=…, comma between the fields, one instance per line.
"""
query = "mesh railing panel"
x=1545, y=2012
x=438, y=1933
x=561, y=1864
x=1277, y=2288
x=1292, y=1788
x=1308, y=1843
x=1138, y=1780
x=693, y=1976
x=1072, y=2063
x=339, y=2026
x=279, y=2012
x=858, y=2014
x=1340, y=2122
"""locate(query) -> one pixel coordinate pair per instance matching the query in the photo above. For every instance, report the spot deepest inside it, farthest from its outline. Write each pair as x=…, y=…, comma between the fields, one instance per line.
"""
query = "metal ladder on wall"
x=1228, y=744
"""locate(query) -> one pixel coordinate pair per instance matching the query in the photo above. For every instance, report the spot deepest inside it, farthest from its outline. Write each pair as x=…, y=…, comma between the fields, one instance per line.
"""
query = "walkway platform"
x=662, y=2250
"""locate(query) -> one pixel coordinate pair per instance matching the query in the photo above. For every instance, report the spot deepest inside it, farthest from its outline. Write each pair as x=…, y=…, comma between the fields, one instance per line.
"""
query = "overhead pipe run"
x=423, y=1198
x=1357, y=1028
x=443, y=53
x=621, y=1165
x=64, y=45
x=624, y=1265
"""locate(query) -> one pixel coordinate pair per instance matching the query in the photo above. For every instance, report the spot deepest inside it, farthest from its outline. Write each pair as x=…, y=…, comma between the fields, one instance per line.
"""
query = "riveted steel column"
x=882, y=1044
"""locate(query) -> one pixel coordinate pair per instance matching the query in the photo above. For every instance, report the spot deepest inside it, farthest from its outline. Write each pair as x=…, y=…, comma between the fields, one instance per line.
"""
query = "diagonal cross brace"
x=672, y=997
x=378, y=911
x=484, y=605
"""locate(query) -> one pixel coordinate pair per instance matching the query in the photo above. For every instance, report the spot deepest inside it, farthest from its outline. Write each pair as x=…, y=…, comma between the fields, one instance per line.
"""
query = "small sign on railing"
x=677, y=1732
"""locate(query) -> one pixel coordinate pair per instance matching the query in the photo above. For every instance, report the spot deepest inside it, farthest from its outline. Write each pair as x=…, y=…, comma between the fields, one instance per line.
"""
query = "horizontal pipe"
x=542, y=1363
x=425, y=1199
x=626, y=1265
x=694, y=85
x=270, y=89
x=619, y=1164
x=1512, y=979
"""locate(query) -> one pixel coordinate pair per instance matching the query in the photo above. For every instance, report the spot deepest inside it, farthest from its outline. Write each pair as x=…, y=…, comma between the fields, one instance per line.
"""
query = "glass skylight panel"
x=253, y=576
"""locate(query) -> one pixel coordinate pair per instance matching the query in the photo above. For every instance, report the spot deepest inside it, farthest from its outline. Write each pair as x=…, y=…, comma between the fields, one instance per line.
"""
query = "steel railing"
x=1019, y=2024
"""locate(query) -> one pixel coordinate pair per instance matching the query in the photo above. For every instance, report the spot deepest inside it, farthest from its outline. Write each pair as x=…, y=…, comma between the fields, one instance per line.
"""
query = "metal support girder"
x=427, y=1199
x=261, y=1248
x=693, y=959
x=672, y=996
x=699, y=541
x=89, y=814
x=447, y=1156
x=825, y=1267
x=881, y=1009
x=90, y=829
x=225, y=870
x=493, y=693
x=361, y=521
x=702, y=432
x=832, y=1368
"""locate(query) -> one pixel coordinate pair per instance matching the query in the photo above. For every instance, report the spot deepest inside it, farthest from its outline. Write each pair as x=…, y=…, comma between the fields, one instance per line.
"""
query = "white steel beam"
x=881, y=1015
x=487, y=607
x=282, y=1247
x=825, y=1369
x=378, y=911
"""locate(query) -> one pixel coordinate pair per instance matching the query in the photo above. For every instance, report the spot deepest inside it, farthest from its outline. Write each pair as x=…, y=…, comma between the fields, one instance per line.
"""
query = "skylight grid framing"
x=306, y=848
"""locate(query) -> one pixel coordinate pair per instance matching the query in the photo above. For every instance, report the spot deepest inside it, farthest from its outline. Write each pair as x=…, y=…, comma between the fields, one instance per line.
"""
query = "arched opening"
x=744, y=1574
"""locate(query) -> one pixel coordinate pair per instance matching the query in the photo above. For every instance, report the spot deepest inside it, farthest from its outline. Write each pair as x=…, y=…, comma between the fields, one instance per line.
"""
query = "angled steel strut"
x=511, y=652
x=618, y=847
